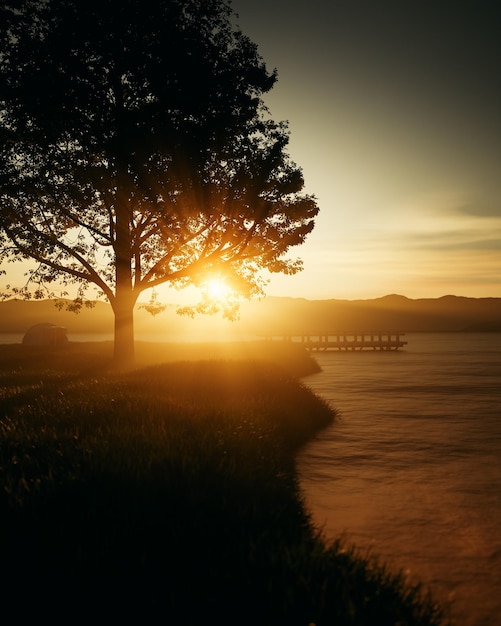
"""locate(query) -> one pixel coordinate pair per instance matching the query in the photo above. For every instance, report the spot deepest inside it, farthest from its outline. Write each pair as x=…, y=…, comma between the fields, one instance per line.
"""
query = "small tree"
x=136, y=150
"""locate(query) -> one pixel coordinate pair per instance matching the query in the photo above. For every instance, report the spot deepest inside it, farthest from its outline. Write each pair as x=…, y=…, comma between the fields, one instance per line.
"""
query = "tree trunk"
x=124, y=301
x=123, y=353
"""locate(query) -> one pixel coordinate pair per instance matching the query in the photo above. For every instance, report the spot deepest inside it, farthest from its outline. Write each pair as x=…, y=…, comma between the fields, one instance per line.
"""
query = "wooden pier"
x=353, y=341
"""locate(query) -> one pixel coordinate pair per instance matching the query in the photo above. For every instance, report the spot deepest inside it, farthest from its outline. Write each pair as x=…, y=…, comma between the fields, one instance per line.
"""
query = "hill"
x=389, y=313
x=274, y=316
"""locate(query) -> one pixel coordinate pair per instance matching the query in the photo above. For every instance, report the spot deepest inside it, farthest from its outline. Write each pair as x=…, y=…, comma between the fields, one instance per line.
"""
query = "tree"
x=136, y=150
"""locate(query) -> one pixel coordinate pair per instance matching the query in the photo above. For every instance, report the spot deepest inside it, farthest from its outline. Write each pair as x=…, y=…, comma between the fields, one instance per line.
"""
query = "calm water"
x=412, y=469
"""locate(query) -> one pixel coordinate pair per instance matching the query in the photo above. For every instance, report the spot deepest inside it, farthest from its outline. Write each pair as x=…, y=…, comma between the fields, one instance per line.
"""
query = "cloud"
x=482, y=208
x=458, y=240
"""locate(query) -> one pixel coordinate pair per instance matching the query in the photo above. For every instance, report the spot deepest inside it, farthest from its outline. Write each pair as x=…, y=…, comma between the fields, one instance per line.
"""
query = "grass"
x=168, y=495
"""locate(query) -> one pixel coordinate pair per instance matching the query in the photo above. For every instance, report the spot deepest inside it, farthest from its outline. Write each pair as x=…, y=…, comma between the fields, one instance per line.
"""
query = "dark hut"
x=46, y=335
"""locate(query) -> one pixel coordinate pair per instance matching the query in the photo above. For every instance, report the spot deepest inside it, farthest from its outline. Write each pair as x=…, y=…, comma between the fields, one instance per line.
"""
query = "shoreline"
x=170, y=492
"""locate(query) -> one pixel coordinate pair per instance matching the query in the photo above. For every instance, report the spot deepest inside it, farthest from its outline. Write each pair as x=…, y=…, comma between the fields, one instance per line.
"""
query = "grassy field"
x=168, y=494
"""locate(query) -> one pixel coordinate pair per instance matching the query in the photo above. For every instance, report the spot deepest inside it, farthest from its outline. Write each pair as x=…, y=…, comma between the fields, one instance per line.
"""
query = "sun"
x=217, y=290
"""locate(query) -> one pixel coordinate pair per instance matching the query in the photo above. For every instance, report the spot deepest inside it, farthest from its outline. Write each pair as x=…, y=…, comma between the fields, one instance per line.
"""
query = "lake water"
x=411, y=471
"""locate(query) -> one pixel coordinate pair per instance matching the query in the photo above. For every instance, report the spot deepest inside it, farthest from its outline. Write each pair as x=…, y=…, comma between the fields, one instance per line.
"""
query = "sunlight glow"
x=217, y=290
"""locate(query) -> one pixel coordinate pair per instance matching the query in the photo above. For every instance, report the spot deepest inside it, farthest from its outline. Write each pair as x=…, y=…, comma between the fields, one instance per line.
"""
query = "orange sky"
x=395, y=117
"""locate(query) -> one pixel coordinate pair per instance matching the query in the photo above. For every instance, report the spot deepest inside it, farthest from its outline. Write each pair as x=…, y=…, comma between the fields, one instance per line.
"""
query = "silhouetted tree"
x=136, y=150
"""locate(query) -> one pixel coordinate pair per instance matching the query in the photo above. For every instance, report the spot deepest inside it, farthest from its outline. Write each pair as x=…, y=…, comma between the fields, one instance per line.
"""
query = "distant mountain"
x=16, y=316
x=277, y=316
x=389, y=313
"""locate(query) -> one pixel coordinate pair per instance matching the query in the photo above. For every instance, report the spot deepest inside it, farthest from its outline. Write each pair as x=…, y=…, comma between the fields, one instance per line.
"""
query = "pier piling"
x=348, y=341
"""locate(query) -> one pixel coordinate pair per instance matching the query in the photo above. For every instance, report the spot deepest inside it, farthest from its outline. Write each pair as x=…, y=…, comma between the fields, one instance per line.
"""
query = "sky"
x=394, y=112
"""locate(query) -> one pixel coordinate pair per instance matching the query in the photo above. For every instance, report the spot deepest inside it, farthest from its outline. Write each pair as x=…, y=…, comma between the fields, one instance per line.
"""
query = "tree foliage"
x=136, y=149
